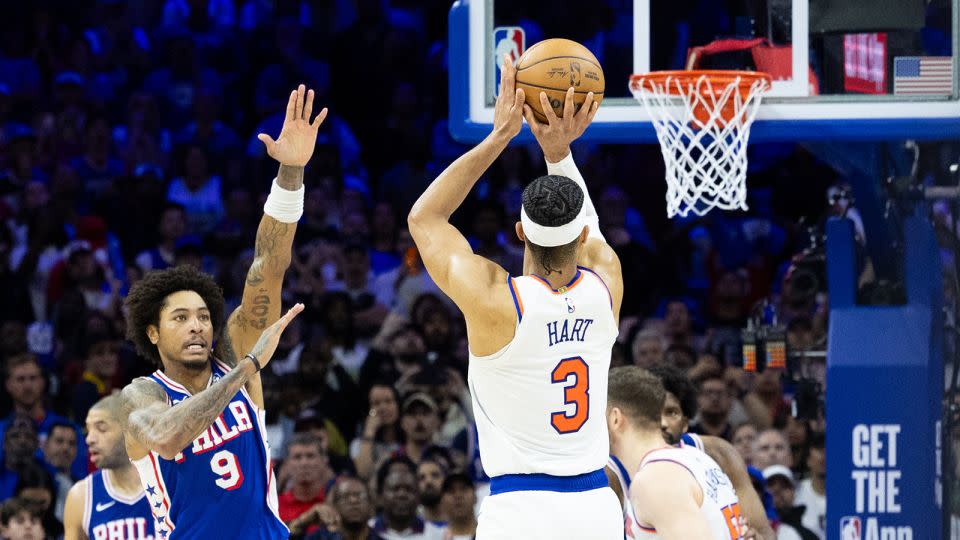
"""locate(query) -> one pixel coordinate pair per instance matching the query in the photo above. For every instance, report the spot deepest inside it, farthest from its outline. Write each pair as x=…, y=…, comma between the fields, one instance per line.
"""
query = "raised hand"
x=264, y=348
x=298, y=137
x=556, y=135
x=508, y=112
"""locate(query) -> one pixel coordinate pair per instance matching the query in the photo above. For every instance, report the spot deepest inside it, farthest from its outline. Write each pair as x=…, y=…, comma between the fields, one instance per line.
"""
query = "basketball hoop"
x=704, y=137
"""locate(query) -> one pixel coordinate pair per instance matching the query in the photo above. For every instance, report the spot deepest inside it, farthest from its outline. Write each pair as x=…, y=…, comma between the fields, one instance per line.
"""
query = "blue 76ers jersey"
x=107, y=515
x=221, y=485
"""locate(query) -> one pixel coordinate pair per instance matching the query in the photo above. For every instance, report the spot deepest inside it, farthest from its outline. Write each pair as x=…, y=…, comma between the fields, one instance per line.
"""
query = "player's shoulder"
x=78, y=491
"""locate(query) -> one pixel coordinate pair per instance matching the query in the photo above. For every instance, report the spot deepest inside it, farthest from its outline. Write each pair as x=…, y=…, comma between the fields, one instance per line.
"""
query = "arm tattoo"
x=290, y=178
x=272, y=249
x=169, y=430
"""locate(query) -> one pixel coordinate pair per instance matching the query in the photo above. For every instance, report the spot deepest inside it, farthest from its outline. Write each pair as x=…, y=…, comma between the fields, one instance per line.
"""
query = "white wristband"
x=284, y=205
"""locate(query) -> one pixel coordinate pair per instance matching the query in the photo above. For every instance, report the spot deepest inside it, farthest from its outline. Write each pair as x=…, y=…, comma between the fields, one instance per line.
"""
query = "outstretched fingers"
x=298, y=108
x=291, y=107
x=308, y=107
x=321, y=116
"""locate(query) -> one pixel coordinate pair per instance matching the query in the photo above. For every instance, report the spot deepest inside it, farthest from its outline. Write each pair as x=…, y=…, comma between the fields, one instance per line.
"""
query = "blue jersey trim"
x=546, y=482
x=516, y=298
x=623, y=470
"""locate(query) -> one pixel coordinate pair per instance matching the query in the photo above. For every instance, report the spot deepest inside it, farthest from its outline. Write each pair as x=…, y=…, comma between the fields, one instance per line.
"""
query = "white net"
x=703, y=126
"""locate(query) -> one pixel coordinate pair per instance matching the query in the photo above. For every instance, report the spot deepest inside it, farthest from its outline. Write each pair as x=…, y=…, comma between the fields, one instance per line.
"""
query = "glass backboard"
x=842, y=69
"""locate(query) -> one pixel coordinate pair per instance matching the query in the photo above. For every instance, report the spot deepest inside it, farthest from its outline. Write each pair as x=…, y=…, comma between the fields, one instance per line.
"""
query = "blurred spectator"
x=25, y=384
x=430, y=479
x=744, y=438
x=771, y=448
x=714, y=403
x=36, y=488
x=647, y=347
x=350, y=498
x=172, y=227
x=20, y=445
x=347, y=348
x=331, y=440
x=198, y=191
x=59, y=451
x=329, y=388
x=307, y=473
x=811, y=492
x=97, y=168
x=357, y=278
x=20, y=521
x=420, y=421
x=458, y=503
x=398, y=352
x=397, y=487
x=680, y=355
x=781, y=485
x=100, y=370
x=383, y=238
x=380, y=434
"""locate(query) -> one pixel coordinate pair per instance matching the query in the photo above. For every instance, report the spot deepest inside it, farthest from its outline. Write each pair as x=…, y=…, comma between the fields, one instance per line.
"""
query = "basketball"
x=553, y=66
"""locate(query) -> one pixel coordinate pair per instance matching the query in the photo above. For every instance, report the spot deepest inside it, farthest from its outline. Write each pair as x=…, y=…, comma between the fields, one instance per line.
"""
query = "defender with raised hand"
x=195, y=427
x=539, y=343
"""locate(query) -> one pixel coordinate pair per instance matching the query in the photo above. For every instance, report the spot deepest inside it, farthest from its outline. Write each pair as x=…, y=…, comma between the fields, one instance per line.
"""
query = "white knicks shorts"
x=550, y=515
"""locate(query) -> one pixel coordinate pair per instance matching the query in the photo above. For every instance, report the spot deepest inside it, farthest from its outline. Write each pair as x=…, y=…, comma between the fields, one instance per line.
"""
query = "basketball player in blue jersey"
x=195, y=427
x=679, y=405
x=539, y=343
x=110, y=503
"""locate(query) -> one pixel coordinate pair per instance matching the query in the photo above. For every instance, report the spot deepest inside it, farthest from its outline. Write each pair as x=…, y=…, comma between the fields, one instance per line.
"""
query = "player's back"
x=540, y=401
x=109, y=515
x=220, y=486
x=540, y=407
x=720, y=506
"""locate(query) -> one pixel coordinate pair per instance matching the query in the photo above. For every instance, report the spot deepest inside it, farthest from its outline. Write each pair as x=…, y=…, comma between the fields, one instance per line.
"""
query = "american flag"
x=923, y=75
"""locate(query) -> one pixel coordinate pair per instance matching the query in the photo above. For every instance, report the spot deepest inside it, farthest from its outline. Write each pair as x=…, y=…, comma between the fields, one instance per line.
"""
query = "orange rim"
x=719, y=80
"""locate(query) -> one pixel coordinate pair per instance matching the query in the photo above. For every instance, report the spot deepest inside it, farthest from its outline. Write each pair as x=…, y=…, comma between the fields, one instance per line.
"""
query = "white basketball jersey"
x=540, y=402
x=631, y=528
x=720, y=506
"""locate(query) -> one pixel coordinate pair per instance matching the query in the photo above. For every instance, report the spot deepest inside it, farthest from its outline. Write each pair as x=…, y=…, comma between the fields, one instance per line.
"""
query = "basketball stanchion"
x=703, y=119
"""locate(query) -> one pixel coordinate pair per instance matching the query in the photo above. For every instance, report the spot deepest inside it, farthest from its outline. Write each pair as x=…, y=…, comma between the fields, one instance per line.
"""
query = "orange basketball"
x=554, y=65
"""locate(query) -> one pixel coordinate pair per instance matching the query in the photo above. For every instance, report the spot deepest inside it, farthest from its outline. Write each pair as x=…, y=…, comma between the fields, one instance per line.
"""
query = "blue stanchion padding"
x=884, y=388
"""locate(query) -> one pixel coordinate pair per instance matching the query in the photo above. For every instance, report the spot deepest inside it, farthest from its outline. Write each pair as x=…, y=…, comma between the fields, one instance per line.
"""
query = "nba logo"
x=506, y=40
x=849, y=528
x=570, y=307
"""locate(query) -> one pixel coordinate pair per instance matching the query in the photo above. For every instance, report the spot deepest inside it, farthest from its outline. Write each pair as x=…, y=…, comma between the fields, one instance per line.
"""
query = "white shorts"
x=549, y=515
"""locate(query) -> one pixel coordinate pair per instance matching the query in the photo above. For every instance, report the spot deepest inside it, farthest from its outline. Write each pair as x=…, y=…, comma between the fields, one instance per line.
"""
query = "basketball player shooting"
x=676, y=492
x=539, y=343
x=195, y=427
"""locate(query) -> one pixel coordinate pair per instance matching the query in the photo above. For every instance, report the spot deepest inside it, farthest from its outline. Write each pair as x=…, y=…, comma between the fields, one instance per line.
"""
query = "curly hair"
x=149, y=295
x=552, y=201
x=677, y=383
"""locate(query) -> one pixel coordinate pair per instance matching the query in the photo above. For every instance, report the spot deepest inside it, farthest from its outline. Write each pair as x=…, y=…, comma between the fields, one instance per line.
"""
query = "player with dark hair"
x=195, y=428
x=110, y=501
x=540, y=343
x=676, y=492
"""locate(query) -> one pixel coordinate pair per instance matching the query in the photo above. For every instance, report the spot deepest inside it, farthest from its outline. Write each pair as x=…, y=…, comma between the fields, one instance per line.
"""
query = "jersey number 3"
x=734, y=521
x=576, y=392
x=225, y=465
